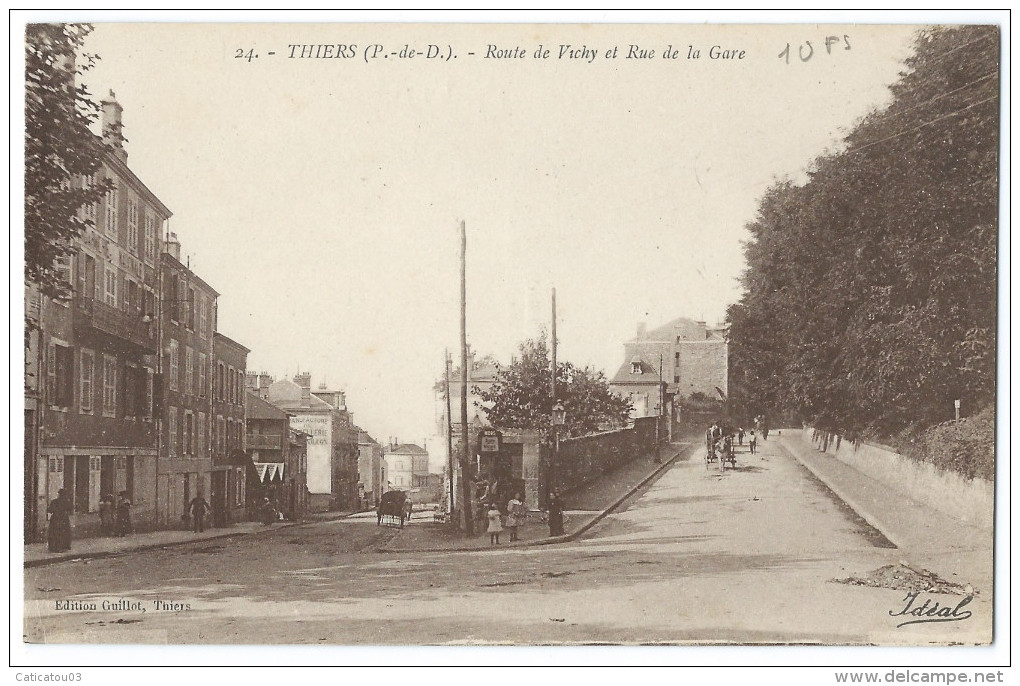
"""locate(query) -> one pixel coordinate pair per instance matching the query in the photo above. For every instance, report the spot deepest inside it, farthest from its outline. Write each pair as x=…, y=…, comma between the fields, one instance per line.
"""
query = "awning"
x=269, y=471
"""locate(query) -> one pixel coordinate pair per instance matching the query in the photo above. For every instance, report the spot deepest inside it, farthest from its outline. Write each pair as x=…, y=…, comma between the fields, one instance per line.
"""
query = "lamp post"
x=559, y=419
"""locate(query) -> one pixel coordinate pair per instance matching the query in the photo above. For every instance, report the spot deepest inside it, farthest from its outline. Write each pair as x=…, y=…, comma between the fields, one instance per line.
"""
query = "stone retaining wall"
x=969, y=501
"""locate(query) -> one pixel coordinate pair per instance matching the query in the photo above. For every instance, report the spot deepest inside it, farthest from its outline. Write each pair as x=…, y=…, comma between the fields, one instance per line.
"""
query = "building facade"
x=90, y=384
x=274, y=448
x=407, y=465
x=228, y=471
x=690, y=357
x=371, y=469
x=186, y=326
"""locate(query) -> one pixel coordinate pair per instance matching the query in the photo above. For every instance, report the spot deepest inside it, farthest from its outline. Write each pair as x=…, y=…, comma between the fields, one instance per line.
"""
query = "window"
x=150, y=238
x=635, y=367
x=109, y=386
x=200, y=435
x=173, y=364
x=220, y=378
x=171, y=430
x=134, y=391
x=201, y=375
x=147, y=409
x=110, y=297
x=203, y=317
x=676, y=378
x=63, y=266
x=189, y=370
x=172, y=296
x=230, y=384
x=86, y=374
x=676, y=361
x=87, y=286
x=189, y=434
x=132, y=225
x=192, y=306
x=110, y=216
x=220, y=431
x=59, y=370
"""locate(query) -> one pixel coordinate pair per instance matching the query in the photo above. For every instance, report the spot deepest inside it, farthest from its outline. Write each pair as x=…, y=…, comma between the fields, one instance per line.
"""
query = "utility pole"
x=552, y=377
x=553, y=463
x=658, y=414
x=448, y=361
x=465, y=459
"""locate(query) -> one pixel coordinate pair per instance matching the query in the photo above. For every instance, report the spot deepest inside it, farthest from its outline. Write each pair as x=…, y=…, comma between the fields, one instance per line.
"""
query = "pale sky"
x=322, y=197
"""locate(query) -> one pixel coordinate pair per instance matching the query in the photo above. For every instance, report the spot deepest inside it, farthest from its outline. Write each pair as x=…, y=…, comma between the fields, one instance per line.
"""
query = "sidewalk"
x=925, y=536
x=583, y=508
x=38, y=554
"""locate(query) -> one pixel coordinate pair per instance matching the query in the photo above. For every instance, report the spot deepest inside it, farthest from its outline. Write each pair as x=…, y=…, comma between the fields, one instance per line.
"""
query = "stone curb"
x=97, y=555
x=565, y=538
x=848, y=500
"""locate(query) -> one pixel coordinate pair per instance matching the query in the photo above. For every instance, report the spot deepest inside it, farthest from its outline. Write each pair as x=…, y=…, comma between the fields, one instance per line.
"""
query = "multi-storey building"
x=332, y=443
x=92, y=386
x=693, y=358
x=371, y=468
x=187, y=326
x=229, y=461
x=408, y=466
x=276, y=449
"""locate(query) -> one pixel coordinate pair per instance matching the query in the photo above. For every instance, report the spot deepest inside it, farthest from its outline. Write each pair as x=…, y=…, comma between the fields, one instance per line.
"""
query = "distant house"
x=279, y=457
x=371, y=468
x=407, y=465
x=693, y=358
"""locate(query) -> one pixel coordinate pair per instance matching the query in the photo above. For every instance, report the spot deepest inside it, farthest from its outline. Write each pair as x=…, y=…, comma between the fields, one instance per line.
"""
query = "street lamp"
x=559, y=419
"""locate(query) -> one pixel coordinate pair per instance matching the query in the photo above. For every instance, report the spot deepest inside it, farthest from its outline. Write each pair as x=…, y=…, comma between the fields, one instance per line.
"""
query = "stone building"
x=693, y=358
x=278, y=456
x=229, y=461
x=90, y=382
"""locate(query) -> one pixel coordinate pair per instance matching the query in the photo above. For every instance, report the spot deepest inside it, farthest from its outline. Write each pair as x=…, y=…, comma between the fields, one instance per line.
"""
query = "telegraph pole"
x=465, y=456
x=448, y=361
x=658, y=414
x=552, y=378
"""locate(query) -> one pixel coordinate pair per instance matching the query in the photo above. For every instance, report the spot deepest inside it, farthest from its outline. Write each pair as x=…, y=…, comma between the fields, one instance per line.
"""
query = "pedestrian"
x=58, y=515
x=753, y=442
x=107, y=508
x=740, y=435
x=555, y=514
x=124, y=526
x=198, y=508
x=516, y=515
x=495, y=526
x=268, y=512
x=408, y=508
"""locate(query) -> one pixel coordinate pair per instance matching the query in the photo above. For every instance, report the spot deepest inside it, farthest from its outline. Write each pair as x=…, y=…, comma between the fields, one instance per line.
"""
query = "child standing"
x=495, y=526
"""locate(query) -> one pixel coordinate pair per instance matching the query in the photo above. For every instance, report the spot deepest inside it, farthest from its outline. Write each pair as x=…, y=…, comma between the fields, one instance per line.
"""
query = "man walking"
x=198, y=508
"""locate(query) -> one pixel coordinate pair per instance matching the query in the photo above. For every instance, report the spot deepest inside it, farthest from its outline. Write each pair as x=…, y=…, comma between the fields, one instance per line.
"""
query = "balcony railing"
x=263, y=441
x=128, y=326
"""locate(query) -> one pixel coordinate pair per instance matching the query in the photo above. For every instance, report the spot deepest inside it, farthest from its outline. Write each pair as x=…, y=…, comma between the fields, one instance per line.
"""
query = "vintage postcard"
x=511, y=334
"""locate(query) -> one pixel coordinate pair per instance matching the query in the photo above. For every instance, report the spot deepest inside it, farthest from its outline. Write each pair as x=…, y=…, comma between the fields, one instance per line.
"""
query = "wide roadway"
x=748, y=555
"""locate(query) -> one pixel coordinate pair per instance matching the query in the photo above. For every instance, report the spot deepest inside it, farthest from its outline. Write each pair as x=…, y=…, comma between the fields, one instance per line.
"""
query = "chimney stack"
x=173, y=246
x=305, y=382
x=113, y=127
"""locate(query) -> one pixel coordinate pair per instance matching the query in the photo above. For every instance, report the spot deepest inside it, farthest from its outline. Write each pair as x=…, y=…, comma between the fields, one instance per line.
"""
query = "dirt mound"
x=903, y=577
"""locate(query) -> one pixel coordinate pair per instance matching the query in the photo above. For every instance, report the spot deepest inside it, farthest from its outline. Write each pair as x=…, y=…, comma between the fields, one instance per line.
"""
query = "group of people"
x=114, y=519
x=516, y=515
x=719, y=439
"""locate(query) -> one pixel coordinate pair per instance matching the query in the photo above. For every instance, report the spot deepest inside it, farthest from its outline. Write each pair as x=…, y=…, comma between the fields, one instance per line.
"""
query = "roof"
x=220, y=338
x=257, y=408
x=694, y=330
x=407, y=449
x=286, y=395
x=649, y=373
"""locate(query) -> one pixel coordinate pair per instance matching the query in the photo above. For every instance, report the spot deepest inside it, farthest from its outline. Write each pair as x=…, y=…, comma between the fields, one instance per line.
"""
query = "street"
x=749, y=555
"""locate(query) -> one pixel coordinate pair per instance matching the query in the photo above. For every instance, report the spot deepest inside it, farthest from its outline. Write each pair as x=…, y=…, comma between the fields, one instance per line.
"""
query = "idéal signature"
x=931, y=610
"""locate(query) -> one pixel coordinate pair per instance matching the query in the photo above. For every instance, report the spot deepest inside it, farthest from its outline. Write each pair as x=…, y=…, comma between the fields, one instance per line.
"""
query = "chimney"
x=305, y=382
x=173, y=246
x=642, y=331
x=113, y=128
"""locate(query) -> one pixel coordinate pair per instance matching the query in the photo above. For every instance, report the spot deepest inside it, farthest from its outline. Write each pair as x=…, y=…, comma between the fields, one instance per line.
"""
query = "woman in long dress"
x=59, y=533
x=516, y=515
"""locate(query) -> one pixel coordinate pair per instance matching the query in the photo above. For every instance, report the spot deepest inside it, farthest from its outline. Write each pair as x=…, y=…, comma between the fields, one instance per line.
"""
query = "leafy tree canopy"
x=61, y=151
x=519, y=398
x=869, y=299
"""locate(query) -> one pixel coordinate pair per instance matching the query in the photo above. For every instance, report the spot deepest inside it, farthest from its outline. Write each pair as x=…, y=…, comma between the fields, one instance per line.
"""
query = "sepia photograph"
x=466, y=334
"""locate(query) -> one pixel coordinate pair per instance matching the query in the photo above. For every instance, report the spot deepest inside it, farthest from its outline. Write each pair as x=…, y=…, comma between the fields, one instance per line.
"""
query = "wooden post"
x=465, y=454
x=448, y=361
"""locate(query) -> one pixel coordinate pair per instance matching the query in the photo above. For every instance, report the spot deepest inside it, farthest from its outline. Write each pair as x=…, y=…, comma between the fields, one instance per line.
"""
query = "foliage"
x=60, y=150
x=966, y=447
x=519, y=397
x=869, y=300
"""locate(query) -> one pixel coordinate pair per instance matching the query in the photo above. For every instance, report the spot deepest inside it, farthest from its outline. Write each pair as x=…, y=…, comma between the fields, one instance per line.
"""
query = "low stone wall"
x=584, y=459
x=969, y=501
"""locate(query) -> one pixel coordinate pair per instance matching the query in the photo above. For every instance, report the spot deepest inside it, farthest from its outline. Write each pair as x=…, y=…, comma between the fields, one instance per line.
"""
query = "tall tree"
x=870, y=292
x=519, y=398
x=62, y=154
